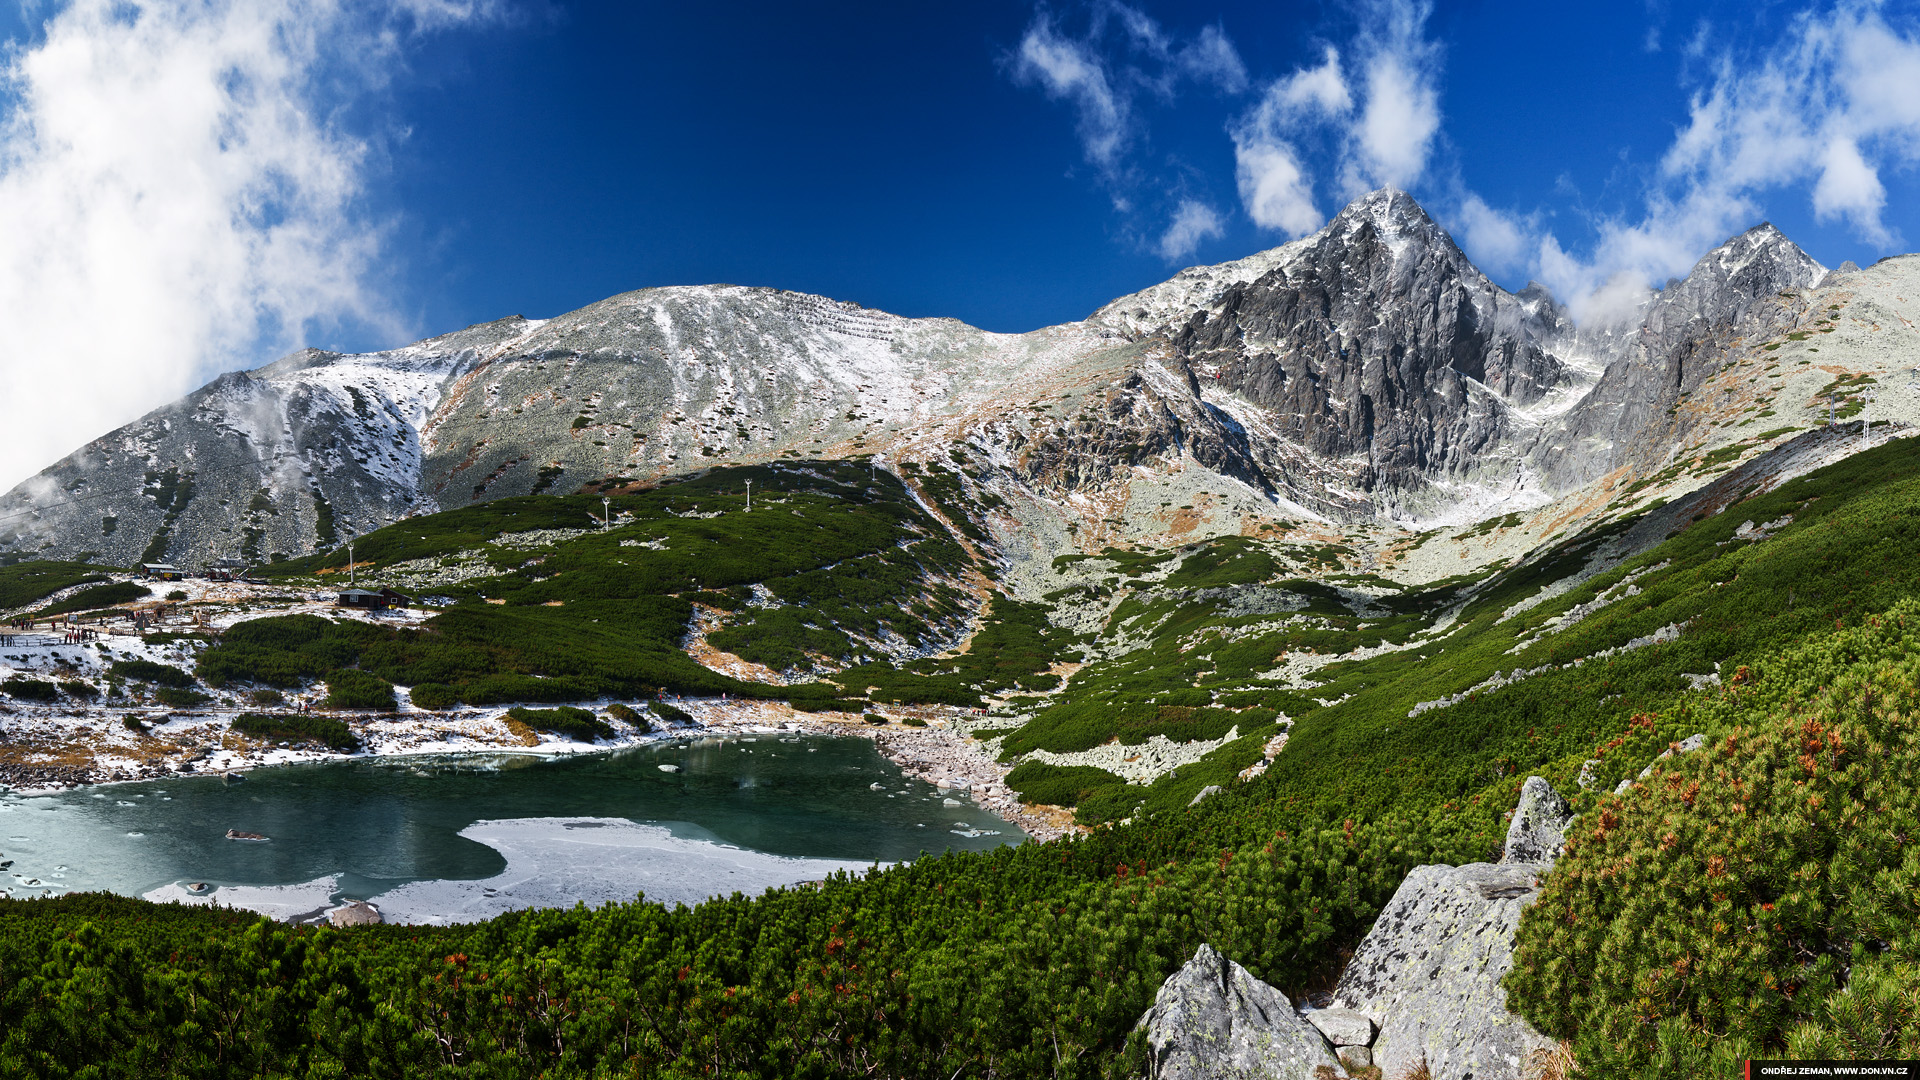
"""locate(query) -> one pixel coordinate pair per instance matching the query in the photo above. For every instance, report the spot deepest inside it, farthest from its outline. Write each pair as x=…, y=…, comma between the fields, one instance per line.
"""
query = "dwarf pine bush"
x=1760, y=898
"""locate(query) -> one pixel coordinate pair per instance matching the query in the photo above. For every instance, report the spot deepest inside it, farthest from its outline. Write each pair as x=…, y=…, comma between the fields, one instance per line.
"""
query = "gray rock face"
x=1212, y=1020
x=1366, y=371
x=1428, y=974
x=1747, y=287
x=1539, y=825
x=1342, y=1027
x=1372, y=356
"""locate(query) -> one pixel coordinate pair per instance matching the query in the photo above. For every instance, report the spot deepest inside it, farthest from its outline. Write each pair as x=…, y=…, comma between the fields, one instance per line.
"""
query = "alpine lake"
x=457, y=838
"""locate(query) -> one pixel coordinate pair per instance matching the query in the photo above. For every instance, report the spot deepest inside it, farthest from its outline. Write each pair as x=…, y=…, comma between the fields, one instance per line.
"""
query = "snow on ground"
x=288, y=903
x=557, y=862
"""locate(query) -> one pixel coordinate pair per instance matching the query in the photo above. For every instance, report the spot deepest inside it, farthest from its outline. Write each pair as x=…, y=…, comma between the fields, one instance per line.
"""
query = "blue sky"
x=189, y=186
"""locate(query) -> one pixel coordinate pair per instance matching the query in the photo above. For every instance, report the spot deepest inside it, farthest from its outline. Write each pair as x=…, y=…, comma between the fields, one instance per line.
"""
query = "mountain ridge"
x=1365, y=373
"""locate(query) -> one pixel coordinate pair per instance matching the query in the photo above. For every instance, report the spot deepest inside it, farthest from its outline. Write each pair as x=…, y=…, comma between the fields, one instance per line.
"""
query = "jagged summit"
x=1366, y=372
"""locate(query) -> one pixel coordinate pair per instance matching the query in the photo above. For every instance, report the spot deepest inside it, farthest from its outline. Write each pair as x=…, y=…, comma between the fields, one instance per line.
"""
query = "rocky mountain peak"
x=1366, y=371
x=1744, y=288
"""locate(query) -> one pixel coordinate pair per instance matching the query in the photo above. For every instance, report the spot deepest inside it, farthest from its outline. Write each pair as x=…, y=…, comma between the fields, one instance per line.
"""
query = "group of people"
x=70, y=634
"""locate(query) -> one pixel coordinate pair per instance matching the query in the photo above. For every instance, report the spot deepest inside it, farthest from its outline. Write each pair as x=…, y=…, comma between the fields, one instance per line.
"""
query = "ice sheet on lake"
x=275, y=901
x=554, y=862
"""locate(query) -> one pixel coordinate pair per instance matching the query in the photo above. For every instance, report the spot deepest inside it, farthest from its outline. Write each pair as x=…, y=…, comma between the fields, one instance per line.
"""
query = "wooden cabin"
x=371, y=600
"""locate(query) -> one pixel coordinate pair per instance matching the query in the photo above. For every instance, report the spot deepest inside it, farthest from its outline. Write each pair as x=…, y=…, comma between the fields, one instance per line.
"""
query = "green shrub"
x=627, y=715
x=99, y=596
x=670, y=714
x=826, y=704
x=78, y=689
x=913, y=721
x=32, y=689
x=1713, y=912
x=435, y=696
x=325, y=730
x=134, y=724
x=177, y=594
x=576, y=724
x=352, y=689
x=267, y=698
x=1058, y=785
x=23, y=583
x=149, y=671
x=180, y=697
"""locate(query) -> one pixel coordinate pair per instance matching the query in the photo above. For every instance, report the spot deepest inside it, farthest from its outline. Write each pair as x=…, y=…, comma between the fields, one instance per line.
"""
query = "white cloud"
x=1211, y=58
x=1495, y=241
x=1274, y=187
x=1192, y=223
x=1849, y=187
x=175, y=198
x=1381, y=130
x=1102, y=73
x=1396, y=129
x=1823, y=109
x=1071, y=70
x=1394, y=136
x=1829, y=105
x=1311, y=93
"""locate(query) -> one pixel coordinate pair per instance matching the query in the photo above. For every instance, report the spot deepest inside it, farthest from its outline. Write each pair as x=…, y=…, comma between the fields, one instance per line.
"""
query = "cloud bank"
x=1823, y=111
x=177, y=198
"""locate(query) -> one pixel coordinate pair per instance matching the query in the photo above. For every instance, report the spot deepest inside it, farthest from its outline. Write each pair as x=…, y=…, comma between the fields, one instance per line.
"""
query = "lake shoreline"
x=48, y=751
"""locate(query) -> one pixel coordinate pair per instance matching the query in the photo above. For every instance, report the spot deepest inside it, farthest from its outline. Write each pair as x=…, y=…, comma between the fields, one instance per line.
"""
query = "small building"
x=370, y=600
x=154, y=571
x=226, y=569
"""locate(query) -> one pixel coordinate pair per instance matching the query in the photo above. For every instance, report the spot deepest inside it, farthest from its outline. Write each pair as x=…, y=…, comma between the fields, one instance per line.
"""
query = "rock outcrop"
x=1422, y=990
x=1746, y=288
x=1428, y=973
x=1539, y=825
x=1371, y=357
x=1212, y=1020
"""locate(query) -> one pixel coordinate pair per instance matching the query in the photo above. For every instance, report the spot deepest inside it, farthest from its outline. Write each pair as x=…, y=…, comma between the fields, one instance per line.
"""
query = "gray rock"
x=1587, y=779
x=1429, y=973
x=1539, y=825
x=1212, y=1020
x=1355, y=1058
x=1210, y=789
x=1685, y=746
x=354, y=913
x=1342, y=1027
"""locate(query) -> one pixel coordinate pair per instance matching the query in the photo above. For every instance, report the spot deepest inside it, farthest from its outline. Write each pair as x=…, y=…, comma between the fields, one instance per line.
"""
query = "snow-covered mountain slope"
x=1367, y=373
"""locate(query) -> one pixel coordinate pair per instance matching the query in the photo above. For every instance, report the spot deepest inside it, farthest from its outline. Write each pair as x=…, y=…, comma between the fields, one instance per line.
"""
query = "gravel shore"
x=48, y=749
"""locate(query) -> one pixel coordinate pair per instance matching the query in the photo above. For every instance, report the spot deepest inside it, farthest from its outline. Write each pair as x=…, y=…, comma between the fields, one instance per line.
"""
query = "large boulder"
x=1539, y=825
x=1212, y=1020
x=1428, y=974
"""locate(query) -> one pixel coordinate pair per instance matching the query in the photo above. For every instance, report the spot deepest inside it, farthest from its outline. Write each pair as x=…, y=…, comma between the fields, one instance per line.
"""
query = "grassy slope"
x=1037, y=960
x=843, y=557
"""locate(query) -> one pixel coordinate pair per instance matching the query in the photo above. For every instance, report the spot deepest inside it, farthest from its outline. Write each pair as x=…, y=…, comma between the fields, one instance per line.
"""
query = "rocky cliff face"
x=1374, y=350
x=1366, y=372
x=1747, y=288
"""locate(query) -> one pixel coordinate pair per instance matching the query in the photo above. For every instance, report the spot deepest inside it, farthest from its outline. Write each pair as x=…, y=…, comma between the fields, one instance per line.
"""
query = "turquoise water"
x=377, y=824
